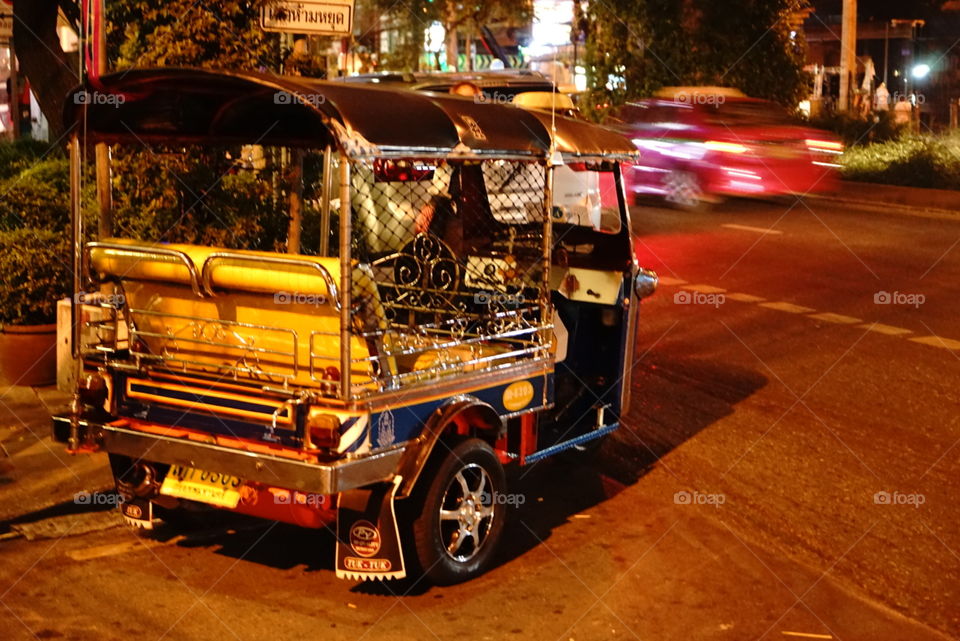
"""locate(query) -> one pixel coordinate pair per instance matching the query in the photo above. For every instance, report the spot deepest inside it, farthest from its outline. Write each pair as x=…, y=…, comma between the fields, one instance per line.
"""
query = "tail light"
x=825, y=146
x=394, y=171
x=93, y=390
x=726, y=147
x=321, y=429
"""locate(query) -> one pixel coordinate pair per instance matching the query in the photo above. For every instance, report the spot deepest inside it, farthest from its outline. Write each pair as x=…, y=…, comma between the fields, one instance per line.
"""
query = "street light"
x=920, y=71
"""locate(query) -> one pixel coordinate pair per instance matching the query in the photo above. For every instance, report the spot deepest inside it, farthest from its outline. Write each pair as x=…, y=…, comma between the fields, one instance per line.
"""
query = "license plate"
x=190, y=483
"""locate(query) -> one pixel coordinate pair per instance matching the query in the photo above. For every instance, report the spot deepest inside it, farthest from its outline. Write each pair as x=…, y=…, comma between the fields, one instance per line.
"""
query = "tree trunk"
x=51, y=72
x=450, y=26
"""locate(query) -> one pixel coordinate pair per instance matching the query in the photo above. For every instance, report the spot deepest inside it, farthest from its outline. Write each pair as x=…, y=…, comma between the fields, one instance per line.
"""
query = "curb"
x=892, y=199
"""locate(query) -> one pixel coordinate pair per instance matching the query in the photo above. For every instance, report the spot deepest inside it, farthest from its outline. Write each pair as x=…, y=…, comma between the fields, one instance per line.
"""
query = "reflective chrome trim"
x=322, y=478
x=213, y=259
x=154, y=252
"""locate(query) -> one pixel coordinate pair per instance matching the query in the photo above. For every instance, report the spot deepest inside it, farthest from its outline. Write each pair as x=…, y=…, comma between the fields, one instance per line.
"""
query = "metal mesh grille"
x=451, y=266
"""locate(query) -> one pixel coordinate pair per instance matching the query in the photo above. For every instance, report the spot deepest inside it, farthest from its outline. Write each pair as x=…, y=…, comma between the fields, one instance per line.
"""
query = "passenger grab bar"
x=152, y=252
x=213, y=259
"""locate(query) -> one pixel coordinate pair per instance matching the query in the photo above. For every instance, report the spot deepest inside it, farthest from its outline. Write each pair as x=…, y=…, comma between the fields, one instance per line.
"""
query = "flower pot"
x=28, y=354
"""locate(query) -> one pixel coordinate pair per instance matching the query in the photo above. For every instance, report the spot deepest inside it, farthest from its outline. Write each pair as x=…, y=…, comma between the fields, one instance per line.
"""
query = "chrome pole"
x=76, y=228
x=346, y=268
x=327, y=187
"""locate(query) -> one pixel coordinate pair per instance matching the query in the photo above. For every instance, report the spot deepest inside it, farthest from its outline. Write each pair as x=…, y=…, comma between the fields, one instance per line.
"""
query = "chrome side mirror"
x=645, y=283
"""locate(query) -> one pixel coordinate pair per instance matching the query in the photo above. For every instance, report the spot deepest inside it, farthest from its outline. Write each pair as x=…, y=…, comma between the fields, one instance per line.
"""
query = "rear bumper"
x=321, y=478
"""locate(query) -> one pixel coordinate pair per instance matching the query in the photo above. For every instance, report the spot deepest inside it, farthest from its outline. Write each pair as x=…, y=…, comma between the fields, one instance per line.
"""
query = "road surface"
x=788, y=470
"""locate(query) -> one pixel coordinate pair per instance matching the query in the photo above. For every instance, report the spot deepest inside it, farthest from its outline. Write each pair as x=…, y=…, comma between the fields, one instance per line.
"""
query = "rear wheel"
x=682, y=189
x=461, y=517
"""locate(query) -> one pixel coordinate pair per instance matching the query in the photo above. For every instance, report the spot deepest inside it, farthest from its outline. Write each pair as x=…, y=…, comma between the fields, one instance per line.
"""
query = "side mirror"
x=645, y=283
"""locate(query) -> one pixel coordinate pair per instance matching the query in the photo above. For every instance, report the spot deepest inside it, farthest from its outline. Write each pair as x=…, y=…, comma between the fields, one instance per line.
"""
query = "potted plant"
x=35, y=272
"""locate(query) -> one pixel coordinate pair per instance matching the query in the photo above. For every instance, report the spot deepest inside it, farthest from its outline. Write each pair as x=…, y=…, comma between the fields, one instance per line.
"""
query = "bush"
x=196, y=196
x=933, y=163
x=857, y=130
x=17, y=156
x=38, y=196
x=36, y=270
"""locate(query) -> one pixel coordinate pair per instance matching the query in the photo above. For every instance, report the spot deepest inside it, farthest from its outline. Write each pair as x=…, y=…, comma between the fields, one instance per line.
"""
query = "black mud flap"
x=137, y=512
x=368, y=541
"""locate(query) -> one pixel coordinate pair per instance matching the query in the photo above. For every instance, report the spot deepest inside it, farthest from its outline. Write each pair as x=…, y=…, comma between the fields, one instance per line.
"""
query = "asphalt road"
x=788, y=470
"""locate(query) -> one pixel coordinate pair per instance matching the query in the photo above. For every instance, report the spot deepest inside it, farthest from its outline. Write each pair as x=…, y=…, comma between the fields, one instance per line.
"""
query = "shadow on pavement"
x=674, y=400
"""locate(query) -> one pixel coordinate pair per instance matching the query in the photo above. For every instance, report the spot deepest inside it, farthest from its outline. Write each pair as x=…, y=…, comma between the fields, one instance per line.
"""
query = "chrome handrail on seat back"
x=324, y=273
x=154, y=252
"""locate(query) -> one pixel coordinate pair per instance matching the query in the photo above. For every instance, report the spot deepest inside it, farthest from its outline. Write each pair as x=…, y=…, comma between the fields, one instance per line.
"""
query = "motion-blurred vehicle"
x=700, y=144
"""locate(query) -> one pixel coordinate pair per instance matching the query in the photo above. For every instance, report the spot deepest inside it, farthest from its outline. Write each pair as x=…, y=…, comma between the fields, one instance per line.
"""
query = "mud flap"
x=137, y=512
x=368, y=541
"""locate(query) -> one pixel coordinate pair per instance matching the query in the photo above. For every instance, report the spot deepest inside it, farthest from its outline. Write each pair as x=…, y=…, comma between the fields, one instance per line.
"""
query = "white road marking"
x=706, y=289
x=840, y=319
x=788, y=307
x=937, y=341
x=759, y=230
x=745, y=298
x=806, y=635
x=827, y=317
x=887, y=330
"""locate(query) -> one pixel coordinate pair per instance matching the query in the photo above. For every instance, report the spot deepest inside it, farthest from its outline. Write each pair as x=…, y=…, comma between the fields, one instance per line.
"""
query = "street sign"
x=6, y=22
x=308, y=16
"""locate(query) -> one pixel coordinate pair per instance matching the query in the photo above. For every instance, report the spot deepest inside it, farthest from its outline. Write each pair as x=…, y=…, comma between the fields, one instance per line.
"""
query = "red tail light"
x=398, y=171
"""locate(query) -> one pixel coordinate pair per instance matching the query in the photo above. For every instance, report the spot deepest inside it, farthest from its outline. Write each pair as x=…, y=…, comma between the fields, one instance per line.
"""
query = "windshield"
x=742, y=113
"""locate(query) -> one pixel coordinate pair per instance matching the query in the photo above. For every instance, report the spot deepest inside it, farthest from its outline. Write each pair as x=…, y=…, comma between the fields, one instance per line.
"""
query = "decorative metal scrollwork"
x=428, y=263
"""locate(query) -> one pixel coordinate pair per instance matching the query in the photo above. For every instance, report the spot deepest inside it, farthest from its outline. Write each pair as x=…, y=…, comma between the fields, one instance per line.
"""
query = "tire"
x=459, y=521
x=683, y=191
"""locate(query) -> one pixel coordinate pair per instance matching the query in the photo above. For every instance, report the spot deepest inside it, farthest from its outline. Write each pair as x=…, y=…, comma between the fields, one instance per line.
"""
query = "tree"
x=457, y=17
x=51, y=72
x=637, y=46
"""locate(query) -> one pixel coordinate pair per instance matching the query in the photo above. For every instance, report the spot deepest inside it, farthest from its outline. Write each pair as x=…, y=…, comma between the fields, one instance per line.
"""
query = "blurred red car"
x=699, y=145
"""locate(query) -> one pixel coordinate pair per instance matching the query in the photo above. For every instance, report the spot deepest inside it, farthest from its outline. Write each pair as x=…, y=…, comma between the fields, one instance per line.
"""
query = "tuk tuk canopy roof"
x=364, y=121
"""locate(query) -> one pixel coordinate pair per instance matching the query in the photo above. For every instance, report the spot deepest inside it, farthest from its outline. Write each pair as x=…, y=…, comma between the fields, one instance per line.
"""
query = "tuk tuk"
x=455, y=316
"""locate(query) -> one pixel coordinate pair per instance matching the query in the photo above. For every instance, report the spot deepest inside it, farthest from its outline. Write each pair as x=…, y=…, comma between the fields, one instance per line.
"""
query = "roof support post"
x=346, y=269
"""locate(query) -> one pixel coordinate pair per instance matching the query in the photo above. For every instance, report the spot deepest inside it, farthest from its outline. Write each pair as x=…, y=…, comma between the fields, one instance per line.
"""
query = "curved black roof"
x=364, y=121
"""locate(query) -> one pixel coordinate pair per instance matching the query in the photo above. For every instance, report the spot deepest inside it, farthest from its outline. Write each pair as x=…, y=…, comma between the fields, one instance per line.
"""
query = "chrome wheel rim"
x=683, y=189
x=466, y=513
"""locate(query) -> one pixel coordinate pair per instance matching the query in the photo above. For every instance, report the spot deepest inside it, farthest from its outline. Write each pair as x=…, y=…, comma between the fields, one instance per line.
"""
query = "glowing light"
x=920, y=71
x=726, y=147
x=831, y=146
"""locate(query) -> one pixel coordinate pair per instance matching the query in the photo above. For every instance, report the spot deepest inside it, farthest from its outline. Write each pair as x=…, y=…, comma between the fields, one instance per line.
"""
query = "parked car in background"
x=700, y=144
x=494, y=86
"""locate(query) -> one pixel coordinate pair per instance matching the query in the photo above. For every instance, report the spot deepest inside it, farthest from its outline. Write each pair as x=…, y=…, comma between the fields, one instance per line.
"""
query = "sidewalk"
x=35, y=472
x=937, y=203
